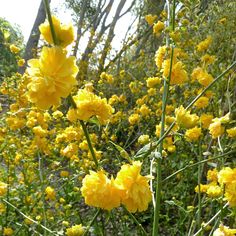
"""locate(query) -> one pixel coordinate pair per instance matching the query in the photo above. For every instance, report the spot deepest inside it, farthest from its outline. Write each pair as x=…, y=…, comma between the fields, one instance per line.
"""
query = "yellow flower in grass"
x=99, y=191
x=231, y=132
x=227, y=177
x=3, y=188
x=178, y=73
x=206, y=120
x=76, y=230
x=89, y=105
x=202, y=76
x=184, y=118
x=193, y=134
x=14, y=49
x=52, y=77
x=135, y=190
x=50, y=193
x=224, y=231
x=204, y=45
x=202, y=102
x=216, y=129
x=64, y=33
x=159, y=57
x=7, y=231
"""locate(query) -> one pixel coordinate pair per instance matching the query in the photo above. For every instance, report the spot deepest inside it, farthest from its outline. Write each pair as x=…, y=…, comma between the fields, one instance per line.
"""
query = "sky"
x=23, y=13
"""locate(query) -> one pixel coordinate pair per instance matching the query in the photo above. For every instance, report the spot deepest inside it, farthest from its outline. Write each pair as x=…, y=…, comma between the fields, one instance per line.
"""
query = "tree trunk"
x=32, y=43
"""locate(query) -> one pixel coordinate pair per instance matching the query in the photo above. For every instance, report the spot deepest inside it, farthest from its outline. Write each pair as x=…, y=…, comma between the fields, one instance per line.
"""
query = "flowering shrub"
x=127, y=153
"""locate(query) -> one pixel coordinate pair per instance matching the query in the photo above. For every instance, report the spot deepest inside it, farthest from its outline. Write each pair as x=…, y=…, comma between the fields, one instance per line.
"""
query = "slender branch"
x=35, y=222
x=202, y=228
x=91, y=222
x=47, y=9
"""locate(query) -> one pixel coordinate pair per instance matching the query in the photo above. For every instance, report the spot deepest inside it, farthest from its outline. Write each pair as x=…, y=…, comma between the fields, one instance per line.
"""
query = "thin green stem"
x=86, y=133
x=159, y=160
x=216, y=215
x=91, y=222
x=199, y=186
x=41, y=178
x=49, y=16
x=136, y=221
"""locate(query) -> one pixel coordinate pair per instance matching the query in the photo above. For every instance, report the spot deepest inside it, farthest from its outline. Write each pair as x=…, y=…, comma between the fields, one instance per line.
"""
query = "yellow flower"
x=14, y=49
x=153, y=81
x=150, y=19
x=76, y=230
x=3, y=188
x=227, y=177
x=89, y=105
x=224, y=231
x=134, y=119
x=158, y=27
x=208, y=59
x=143, y=139
x=206, y=120
x=184, y=118
x=231, y=132
x=51, y=77
x=21, y=62
x=214, y=190
x=178, y=73
x=136, y=193
x=202, y=102
x=204, y=45
x=193, y=134
x=212, y=175
x=159, y=57
x=50, y=193
x=202, y=76
x=145, y=110
x=64, y=33
x=8, y=231
x=99, y=191
x=216, y=129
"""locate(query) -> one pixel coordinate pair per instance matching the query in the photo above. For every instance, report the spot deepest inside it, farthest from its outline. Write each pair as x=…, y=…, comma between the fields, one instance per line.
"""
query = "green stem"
x=136, y=221
x=91, y=222
x=86, y=133
x=218, y=213
x=47, y=10
x=42, y=191
x=164, y=103
x=199, y=192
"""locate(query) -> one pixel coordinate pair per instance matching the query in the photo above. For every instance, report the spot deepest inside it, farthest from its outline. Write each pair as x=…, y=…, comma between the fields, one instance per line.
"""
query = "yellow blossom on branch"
x=64, y=33
x=52, y=77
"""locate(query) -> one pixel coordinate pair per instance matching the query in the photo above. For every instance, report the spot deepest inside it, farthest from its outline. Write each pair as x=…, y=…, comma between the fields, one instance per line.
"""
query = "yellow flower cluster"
x=227, y=183
x=52, y=77
x=50, y=193
x=216, y=129
x=158, y=27
x=150, y=19
x=224, y=231
x=3, y=188
x=178, y=73
x=64, y=33
x=184, y=118
x=193, y=134
x=75, y=230
x=129, y=188
x=204, y=45
x=202, y=76
x=89, y=105
x=153, y=81
x=202, y=102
